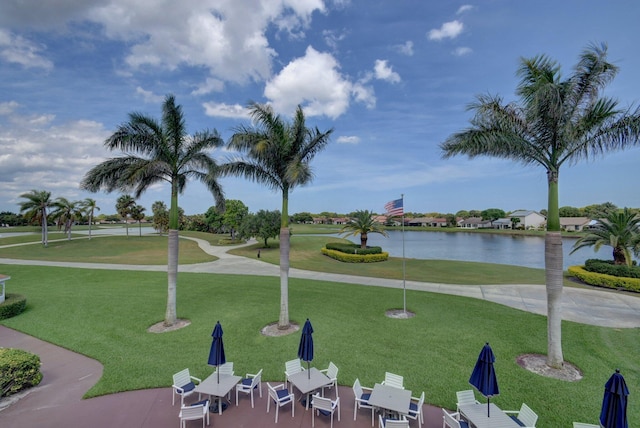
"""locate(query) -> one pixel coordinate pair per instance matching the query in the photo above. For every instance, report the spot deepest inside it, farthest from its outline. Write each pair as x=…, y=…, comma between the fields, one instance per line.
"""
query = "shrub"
x=13, y=305
x=18, y=370
x=604, y=280
x=355, y=258
x=352, y=248
x=607, y=267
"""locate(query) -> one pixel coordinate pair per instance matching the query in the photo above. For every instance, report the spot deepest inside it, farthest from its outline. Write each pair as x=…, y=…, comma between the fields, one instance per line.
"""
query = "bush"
x=607, y=267
x=352, y=248
x=604, y=280
x=355, y=258
x=13, y=305
x=18, y=370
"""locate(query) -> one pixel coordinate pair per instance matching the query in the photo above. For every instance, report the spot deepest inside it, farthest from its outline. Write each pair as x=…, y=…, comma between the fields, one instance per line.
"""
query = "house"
x=502, y=223
x=474, y=223
x=427, y=222
x=574, y=224
x=528, y=219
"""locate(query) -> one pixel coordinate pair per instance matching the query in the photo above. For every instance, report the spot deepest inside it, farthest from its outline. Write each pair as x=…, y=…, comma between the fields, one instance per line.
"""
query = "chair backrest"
x=332, y=371
x=421, y=401
x=449, y=420
x=392, y=423
x=256, y=379
x=527, y=416
x=466, y=397
x=182, y=378
x=394, y=380
x=583, y=425
x=292, y=366
x=272, y=392
x=321, y=403
x=226, y=368
x=357, y=389
x=193, y=412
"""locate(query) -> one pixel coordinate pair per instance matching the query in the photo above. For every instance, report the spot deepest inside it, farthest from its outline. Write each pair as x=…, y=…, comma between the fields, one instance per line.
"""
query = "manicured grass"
x=146, y=250
x=104, y=314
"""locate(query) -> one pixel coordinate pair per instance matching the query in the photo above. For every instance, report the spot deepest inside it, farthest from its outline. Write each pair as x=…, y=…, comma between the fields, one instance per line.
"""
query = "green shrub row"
x=604, y=280
x=352, y=248
x=355, y=258
x=18, y=370
x=607, y=267
x=13, y=305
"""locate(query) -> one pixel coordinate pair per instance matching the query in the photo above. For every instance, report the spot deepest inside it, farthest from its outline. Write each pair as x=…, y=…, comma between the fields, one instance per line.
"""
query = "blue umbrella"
x=614, y=402
x=216, y=354
x=305, y=349
x=483, y=376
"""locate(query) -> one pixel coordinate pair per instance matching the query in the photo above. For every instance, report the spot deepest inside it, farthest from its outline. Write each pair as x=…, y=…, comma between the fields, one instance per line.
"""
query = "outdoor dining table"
x=476, y=414
x=211, y=386
x=307, y=381
x=390, y=398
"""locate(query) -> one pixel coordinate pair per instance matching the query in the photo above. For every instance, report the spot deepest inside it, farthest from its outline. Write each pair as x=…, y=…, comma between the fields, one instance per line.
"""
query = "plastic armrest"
x=195, y=378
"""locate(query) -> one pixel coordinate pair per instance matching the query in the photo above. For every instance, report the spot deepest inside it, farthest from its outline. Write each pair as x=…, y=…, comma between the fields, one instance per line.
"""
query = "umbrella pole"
x=218, y=370
x=308, y=371
x=488, y=401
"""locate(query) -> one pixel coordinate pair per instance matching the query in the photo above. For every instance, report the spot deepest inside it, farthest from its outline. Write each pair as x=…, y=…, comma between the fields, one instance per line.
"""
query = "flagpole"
x=404, y=285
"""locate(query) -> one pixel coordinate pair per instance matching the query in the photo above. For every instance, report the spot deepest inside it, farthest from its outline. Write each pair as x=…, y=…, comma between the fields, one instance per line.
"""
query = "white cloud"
x=448, y=30
x=384, y=72
x=225, y=110
x=406, y=48
x=313, y=81
x=464, y=8
x=210, y=85
x=8, y=107
x=332, y=38
x=348, y=139
x=148, y=96
x=461, y=51
x=18, y=50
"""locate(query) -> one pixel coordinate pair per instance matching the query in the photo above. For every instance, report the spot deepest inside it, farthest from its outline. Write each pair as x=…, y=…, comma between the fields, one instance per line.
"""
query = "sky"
x=392, y=78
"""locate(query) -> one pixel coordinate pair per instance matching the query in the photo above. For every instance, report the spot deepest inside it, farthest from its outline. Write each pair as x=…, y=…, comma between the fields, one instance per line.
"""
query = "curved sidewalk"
x=582, y=305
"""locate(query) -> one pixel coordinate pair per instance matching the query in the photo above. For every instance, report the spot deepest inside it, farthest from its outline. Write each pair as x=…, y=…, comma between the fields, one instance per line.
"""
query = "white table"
x=307, y=381
x=211, y=386
x=476, y=414
x=390, y=398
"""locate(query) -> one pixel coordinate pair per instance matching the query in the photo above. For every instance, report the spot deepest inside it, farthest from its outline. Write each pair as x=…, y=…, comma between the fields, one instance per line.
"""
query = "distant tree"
x=235, y=211
x=137, y=214
x=35, y=209
x=463, y=214
x=451, y=220
x=214, y=219
x=597, y=211
x=262, y=225
x=570, y=212
x=90, y=206
x=65, y=213
x=515, y=221
x=112, y=218
x=160, y=217
x=475, y=213
x=619, y=230
x=543, y=212
x=328, y=214
x=124, y=204
x=11, y=219
x=492, y=214
x=196, y=222
x=303, y=217
x=362, y=223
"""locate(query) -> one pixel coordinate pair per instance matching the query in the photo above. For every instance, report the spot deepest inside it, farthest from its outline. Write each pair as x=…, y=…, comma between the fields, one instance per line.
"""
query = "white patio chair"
x=452, y=420
x=199, y=410
x=324, y=406
x=583, y=425
x=226, y=368
x=465, y=397
x=332, y=373
x=525, y=417
x=362, y=400
x=394, y=380
x=292, y=367
x=392, y=423
x=248, y=384
x=415, y=409
x=183, y=385
x=281, y=397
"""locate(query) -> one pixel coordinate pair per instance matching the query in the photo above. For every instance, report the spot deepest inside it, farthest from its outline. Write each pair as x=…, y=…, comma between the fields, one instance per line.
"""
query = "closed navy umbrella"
x=483, y=376
x=614, y=402
x=216, y=354
x=305, y=349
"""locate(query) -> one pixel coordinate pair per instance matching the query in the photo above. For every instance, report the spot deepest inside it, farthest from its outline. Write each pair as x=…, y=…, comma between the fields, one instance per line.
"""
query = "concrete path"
x=605, y=308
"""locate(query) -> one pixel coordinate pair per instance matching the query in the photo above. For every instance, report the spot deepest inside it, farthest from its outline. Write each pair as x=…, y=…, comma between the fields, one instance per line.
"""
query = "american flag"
x=394, y=208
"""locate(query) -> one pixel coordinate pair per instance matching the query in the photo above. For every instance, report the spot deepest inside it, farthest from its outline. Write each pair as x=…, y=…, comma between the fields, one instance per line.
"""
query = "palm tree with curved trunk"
x=362, y=223
x=124, y=205
x=160, y=152
x=619, y=231
x=35, y=209
x=90, y=207
x=556, y=122
x=277, y=154
x=66, y=213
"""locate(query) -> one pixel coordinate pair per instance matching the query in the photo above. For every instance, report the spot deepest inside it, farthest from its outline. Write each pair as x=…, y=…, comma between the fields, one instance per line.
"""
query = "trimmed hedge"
x=604, y=280
x=352, y=248
x=607, y=267
x=18, y=370
x=355, y=258
x=13, y=305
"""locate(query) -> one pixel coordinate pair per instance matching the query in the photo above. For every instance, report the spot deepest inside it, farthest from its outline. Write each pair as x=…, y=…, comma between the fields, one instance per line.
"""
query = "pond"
x=516, y=250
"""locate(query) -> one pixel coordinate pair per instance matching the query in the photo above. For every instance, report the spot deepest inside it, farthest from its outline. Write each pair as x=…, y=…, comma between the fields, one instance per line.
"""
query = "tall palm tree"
x=137, y=213
x=35, y=209
x=619, y=230
x=90, y=206
x=557, y=122
x=362, y=223
x=277, y=154
x=66, y=213
x=156, y=152
x=124, y=205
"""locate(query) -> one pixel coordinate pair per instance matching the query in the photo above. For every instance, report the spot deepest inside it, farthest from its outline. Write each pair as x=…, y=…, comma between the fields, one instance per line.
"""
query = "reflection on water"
x=516, y=250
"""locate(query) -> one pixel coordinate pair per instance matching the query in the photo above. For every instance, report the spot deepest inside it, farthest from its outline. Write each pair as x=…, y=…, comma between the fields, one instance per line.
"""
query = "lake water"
x=516, y=250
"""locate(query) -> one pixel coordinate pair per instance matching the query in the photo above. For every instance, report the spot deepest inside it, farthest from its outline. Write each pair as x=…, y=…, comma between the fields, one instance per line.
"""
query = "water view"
x=516, y=250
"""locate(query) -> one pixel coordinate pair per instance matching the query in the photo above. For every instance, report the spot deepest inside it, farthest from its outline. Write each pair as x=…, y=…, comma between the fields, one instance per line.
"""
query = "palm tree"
x=156, y=152
x=90, y=206
x=124, y=204
x=137, y=213
x=362, y=223
x=278, y=155
x=619, y=230
x=35, y=209
x=556, y=122
x=66, y=213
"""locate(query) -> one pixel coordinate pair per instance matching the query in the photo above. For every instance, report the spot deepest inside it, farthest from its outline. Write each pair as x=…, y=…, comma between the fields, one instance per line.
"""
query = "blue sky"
x=393, y=78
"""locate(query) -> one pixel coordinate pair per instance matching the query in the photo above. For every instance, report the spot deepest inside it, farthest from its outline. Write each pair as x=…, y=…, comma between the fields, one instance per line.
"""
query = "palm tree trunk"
x=90, y=224
x=283, y=321
x=172, y=277
x=553, y=275
x=363, y=240
x=45, y=234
